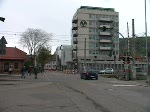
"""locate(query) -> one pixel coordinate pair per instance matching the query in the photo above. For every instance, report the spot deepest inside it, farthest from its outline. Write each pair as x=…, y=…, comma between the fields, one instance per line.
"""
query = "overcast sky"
x=55, y=16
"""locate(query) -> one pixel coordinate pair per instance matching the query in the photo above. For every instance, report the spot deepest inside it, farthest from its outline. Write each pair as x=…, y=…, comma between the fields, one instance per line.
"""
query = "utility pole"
x=126, y=54
x=128, y=48
x=147, y=58
x=133, y=50
x=85, y=53
x=76, y=63
x=95, y=61
x=128, y=38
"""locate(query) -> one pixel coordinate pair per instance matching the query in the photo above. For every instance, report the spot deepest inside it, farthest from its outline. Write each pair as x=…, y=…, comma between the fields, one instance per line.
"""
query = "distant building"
x=63, y=57
x=98, y=27
x=51, y=65
x=14, y=57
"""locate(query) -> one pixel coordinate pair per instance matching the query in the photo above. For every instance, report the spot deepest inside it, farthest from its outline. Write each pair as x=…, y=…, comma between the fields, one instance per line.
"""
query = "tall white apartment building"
x=94, y=36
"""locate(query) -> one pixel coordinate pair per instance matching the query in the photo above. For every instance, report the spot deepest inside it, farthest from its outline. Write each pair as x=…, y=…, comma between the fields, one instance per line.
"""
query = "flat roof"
x=97, y=8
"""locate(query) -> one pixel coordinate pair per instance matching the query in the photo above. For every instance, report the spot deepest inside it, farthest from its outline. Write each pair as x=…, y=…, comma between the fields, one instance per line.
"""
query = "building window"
x=90, y=37
x=90, y=51
x=90, y=44
x=90, y=16
x=117, y=25
x=16, y=65
x=97, y=16
x=90, y=29
x=97, y=52
x=97, y=44
x=117, y=53
x=90, y=23
x=93, y=16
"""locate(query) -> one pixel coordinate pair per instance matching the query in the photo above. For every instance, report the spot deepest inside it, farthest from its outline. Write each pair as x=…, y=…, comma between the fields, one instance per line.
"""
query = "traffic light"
x=126, y=58
x=2, y=19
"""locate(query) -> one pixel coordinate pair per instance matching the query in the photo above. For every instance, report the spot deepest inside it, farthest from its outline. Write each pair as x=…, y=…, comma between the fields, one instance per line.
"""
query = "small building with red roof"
x=14, y=57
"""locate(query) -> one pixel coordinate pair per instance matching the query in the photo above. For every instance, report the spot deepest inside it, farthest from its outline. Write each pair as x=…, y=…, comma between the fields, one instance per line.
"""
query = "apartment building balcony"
x=105, y=34
x=74, y=48
x=105, y=20
x=75, y=42
x=74, y=34
x=74, y=27
x=105, y=41
x=105, y=48
x=75, y=20
x=107, y=26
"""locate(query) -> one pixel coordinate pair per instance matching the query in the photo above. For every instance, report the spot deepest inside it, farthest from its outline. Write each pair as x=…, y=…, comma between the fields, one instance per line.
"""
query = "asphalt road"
x=59, y=92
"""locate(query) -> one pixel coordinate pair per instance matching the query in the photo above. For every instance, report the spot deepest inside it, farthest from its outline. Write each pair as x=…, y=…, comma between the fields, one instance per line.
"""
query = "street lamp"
x=126, y=53
x=2, y=19
x=126, y=56
x=147, y=58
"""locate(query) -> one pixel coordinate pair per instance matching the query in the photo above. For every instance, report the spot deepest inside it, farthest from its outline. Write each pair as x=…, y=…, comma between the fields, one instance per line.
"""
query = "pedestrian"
x=29, y=70
x=10, y=70
x=23, y=71
x=35, y=72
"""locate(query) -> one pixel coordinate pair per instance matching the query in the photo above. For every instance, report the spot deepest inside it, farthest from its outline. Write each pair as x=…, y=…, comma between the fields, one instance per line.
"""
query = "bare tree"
x=33, y=39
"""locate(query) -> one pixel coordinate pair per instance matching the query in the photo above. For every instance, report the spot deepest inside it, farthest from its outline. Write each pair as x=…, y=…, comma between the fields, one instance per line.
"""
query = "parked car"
x=89, y=74
x=107, y=71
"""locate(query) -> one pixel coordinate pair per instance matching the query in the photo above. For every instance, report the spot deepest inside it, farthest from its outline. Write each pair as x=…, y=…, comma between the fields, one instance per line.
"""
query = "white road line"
x=124, y=85
x=47, y=77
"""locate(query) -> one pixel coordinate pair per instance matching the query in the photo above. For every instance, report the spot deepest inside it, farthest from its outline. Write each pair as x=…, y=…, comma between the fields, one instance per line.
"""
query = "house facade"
x=14, y=57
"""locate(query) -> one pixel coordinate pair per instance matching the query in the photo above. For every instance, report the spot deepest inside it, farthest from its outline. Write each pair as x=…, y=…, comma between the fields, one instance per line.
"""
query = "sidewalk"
x=139, y=83
x=13, y=77
x=125, y=82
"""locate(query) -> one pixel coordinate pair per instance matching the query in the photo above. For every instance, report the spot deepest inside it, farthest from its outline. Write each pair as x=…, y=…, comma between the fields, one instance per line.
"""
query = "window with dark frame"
x=16, y=65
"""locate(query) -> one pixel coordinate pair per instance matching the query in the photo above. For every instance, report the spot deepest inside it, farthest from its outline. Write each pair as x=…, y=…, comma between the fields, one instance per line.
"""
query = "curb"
x=8, y=79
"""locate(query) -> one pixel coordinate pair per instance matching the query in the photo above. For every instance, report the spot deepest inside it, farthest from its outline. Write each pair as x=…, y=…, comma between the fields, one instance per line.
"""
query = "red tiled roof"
x=13, y=53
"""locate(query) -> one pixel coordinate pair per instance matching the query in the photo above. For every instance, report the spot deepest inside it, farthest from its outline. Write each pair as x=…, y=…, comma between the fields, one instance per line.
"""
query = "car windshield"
x=90, y=70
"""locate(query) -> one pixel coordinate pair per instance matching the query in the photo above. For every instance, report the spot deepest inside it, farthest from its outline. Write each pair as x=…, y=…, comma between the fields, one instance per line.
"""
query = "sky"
x=55, y=17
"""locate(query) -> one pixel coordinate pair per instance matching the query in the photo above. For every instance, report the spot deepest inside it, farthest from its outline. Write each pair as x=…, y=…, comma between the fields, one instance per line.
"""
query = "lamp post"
x=95, y=61
x=2, y=19
x=126, y=56
x=147, y=58
x=126, y=53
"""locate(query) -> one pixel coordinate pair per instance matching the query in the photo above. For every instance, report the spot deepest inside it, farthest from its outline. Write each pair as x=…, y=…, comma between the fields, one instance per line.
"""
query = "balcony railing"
x=105, y=41
x=74, y=27
x=107, y=26
x=105, y=20
x=74, y=34
x=75, y=20
x=74, y=48
x=105, y=48
x=105, y=33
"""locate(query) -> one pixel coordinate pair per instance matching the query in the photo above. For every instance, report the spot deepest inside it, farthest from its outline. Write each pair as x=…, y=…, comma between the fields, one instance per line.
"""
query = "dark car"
x=89, y=74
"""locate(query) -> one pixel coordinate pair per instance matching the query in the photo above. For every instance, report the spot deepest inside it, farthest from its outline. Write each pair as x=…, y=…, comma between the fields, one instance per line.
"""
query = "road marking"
x=110, y=89
x=47, y=78
x=124, y=85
